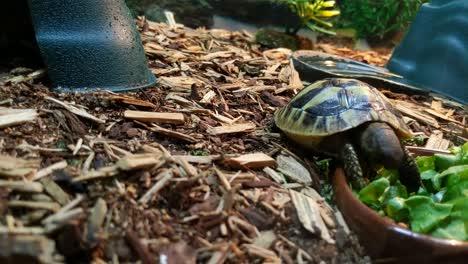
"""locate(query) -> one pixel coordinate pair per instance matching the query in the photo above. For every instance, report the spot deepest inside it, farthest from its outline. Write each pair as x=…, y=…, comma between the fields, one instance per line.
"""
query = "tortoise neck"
x=378, y=141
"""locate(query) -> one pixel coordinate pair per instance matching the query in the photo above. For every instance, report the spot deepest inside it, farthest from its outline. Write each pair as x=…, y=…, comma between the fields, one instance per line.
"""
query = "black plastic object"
x=314, y=65
x=434, y=52
x=88, y=45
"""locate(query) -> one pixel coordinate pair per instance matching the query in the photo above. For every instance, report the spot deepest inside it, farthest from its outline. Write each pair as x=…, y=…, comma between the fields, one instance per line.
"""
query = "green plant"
x=376, y=18
x=312, y=14
x=440, y=209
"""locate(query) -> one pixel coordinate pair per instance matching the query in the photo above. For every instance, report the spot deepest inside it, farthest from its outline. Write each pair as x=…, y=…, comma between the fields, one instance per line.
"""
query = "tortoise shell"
x=335, y=105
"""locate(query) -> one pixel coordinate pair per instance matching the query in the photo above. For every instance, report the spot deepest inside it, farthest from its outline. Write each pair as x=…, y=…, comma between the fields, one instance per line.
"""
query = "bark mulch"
x=189, y=171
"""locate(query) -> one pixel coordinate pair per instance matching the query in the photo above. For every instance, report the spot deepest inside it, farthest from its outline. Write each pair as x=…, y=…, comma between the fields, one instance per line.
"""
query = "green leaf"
x=391, y=175
x=464, y=148
x=320, y=29
x=397, y=190
x=443, y=162
x=460, y=209
x=425, y=163
x=456, y=229
x=455, y=174
x=450, y=176
x=456, y=191
x=428, y=178
x=459, y=157
x=396, y=209
x=374, y=193
x=425, y=214
x=422, y=191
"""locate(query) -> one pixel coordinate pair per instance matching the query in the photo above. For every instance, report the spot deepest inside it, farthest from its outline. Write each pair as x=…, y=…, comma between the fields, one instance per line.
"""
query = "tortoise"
x=352, y=121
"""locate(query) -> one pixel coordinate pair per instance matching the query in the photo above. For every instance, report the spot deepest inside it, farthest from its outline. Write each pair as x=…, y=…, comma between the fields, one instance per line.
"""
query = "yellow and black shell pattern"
x=335, y=105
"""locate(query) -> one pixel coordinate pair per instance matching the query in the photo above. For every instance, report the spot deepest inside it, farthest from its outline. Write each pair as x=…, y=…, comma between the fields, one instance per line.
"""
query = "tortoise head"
x=379, y=143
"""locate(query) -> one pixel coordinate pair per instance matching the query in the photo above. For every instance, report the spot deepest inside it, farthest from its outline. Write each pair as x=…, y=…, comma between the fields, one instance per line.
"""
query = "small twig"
x=65, y=217
x=77, y=146
x=25, y=146
x=63, y=210
x=87, y=163
x=103, y=172
x=222, y=178
x=120, y=151
x=54, y=207
x=50, y=169
x=188, y=168
x=167, y=132
x=157, y=187
x=21, y=230
x=427, y=151
x=76, y=110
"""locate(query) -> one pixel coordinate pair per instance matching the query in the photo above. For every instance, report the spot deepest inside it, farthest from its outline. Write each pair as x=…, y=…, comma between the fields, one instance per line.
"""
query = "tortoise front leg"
x=409, y=173
x=352, y=167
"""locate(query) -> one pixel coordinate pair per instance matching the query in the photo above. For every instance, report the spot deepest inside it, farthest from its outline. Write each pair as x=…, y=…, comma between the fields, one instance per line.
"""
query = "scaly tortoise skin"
x=344, y=117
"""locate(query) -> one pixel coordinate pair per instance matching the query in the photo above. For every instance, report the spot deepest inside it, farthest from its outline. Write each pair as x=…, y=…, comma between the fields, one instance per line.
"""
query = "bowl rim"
x=353, y=209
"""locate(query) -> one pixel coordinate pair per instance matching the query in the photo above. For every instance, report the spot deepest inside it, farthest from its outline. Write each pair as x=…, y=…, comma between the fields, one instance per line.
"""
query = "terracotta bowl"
x=387, y=242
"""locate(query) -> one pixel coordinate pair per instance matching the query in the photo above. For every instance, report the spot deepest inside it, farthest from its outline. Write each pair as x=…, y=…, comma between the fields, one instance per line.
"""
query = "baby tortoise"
x=344, y=117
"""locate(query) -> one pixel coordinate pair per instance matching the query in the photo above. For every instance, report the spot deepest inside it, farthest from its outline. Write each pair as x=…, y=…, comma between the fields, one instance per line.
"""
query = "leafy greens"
x=440, y=209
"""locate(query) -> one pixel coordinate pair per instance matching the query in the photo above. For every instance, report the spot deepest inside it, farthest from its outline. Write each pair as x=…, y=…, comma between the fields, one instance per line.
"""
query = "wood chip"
x=274, y=175
x=179, y=82
x=220, y=256
x=265, y=239
x=219, y=54
x=54, y=207
x=208, y=97
x=411, y=110
x=199, y=159
x=308, y=212
x=441, y=116
x=31, y=76
x=55, y=191
x=291, y=168
x=131, y=101
x=97, y=216
x=22, y=186
x=222, y=118
x=141, y=250
x=157, y=117
x=230, y=129
x=264, y=253
x=16, y=167
x=437, y=141
x=10, y=117
x=326, y=211
x=139, y=161
x=253, y=161
x=295, y=82
x=27, y=249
